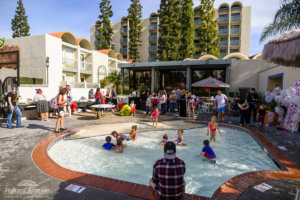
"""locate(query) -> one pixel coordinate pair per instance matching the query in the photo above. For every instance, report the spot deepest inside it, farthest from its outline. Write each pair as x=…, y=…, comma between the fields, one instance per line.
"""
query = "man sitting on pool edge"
x=168, y=173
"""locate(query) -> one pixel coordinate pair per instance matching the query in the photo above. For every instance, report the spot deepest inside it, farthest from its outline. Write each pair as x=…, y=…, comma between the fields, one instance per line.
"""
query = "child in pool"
x=212, y=128
x=207, y=152
x=119, y=147
x=133, y=109
x=180, y=137
x=108, y=145
x=154, y=116
x=133, y=135
x=164, y=140
x=117, y=135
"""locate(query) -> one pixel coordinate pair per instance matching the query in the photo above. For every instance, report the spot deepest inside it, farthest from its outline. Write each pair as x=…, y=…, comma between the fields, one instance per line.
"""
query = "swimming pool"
x=237, y=152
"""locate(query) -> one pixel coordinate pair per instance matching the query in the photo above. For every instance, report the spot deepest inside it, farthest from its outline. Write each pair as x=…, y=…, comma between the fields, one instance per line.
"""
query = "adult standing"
x=12, y=107
x=42, y=105
x=61, y=104
x=99, y=97
x=168, y=175
x=252, y=99
x=178, y=93
x=162, y=101
x=221, y=100
x=143, y=100
x=244, y=108
x=114, y=95
x=91, y=94
x=108, y=96
x=183, y=101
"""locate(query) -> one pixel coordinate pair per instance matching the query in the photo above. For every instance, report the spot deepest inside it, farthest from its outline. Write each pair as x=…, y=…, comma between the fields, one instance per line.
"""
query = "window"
x=223, y=51
x=124, y=46
x=82, y=61
x=223, y=39
x=69, y=56
x=234, y=50
x=223, y=27
x=153, y=44
x=113, y=46
x=223, y=16
x=235, y=26
x=234, y=38
x=82, y=80
x=125, y=56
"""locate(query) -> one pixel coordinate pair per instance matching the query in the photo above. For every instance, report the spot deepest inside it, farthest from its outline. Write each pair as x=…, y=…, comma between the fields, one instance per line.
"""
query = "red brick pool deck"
x=230, y=190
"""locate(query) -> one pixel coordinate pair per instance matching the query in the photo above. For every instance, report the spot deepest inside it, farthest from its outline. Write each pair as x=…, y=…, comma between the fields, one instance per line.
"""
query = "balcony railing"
x=77, y=84
x=124, y=22
x=223, y=20
x=153, y=27
x=223, y=32
x=153, y=18
x=235, y=31
x=197, y=22
x=196, y=56
x=152, y=48
x=235, y=8
x=152, y=38
x=86, y=68
x=223, y=10
x=235, y=18
x=70, y=64
x=97, y=33
x=152, y=59
x=222, y=55
x=124, y=30
x=223, y=44
x=123, y=50
x=123, y=40
x=235, y=43
x=92, y=85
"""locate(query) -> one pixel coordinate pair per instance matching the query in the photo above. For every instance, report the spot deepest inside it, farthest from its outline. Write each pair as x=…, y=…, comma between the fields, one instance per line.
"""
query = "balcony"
x=86, y=68
x=123, y=40
x=197, y=46
x=124, y=21
x=92, y=85
x=77, y=84
x=152, y=59
x=235, y=31
x=70, y=64
x=236, y=8
x=153, y=18
x=235, y=18
x=235, y=43
x=223, y=44
x=223, y=20
x=223, y=32
x=153, y=38
x=153, y=28
x=123, y=50
x=153, y=48
x=223, y=10
x=196, y=35
x=222, y=55
x=197, y=22
x=123, y=30
x=97, y=33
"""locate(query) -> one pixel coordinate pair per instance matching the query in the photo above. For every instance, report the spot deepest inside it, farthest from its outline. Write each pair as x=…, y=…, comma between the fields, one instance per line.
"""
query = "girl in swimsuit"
x=164, y=140
x=119, y=147
x=180, y=137
x=154, y=116
x=212, y=128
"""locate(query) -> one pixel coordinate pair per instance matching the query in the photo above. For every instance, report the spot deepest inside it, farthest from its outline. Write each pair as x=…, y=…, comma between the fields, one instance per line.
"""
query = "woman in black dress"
x=108, y=96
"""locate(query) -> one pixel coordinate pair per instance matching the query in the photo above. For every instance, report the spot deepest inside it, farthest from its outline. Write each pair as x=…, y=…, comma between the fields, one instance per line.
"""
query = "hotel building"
x=233, y=29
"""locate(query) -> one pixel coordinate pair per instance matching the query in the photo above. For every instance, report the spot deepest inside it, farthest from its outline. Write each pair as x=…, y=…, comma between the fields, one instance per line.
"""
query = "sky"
x=76, y=16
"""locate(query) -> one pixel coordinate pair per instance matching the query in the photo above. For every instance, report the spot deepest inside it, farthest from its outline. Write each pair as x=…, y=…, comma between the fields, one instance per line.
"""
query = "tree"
x=115, y=78
x=103, y=24
x=207, y=31
x=169, y=29
x=19, y=24
x=286, y=18
x=135, y=29
x=187, y=48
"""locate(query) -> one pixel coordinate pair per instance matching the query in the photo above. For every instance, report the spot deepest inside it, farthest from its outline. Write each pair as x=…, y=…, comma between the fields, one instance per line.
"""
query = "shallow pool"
x=237, y=152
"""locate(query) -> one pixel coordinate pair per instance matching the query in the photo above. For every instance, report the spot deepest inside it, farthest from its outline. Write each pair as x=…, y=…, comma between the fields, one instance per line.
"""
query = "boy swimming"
x=207, y=152
x=108, y=145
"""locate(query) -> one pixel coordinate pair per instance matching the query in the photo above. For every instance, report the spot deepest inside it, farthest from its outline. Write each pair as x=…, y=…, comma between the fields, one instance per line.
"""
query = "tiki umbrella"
x=284, y=50
x=211, y=82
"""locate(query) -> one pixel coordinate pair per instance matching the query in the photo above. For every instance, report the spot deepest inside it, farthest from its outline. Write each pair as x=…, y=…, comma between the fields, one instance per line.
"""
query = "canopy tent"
x=284, y=50
x=210, y=82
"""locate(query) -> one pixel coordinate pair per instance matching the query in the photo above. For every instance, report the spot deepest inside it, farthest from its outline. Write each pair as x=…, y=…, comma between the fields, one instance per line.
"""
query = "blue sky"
x=76, y=16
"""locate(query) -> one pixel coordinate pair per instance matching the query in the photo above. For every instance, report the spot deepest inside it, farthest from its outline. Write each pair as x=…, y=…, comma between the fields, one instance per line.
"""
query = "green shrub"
x=31, y=81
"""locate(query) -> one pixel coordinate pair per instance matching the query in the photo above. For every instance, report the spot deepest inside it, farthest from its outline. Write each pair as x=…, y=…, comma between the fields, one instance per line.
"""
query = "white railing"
x=69, y=63
x=92, y=85
x=77, y=84
x=86, y=66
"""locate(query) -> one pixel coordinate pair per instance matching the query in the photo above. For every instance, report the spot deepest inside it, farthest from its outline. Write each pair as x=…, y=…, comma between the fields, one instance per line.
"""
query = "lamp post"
x=47, y=67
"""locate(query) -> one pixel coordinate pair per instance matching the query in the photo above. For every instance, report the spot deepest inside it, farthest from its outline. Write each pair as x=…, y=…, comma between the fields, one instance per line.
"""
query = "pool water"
x=237, y=153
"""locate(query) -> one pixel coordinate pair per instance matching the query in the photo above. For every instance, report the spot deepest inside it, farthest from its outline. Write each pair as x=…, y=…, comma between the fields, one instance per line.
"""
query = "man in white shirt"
x=220, y=104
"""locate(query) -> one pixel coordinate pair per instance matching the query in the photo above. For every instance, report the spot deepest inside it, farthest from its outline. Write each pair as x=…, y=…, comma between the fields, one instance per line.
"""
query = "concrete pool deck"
x=16, y=163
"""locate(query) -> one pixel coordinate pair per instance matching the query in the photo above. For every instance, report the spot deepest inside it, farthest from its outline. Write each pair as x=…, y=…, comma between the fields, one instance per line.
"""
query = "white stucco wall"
x=32, y=57
x=290, y=75
x=244, y=73
x=98, y=60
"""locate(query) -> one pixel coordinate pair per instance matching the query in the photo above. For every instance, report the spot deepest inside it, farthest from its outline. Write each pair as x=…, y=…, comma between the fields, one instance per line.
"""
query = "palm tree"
x=286, y=18
x=115, y=78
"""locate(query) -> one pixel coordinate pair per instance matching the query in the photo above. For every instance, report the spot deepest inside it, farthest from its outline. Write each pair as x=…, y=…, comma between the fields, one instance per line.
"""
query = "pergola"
x=187, y=65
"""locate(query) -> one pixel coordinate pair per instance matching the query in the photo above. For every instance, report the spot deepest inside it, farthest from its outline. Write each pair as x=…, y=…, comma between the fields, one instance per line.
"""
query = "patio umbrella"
x=284, y=50
x=211, y=82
